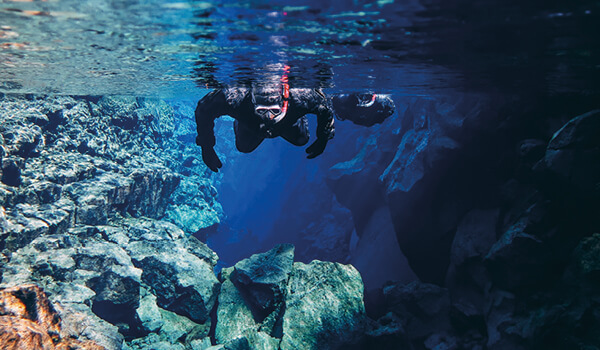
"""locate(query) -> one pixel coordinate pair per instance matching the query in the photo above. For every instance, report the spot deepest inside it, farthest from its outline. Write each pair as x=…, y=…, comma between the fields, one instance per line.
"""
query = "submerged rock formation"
x=278, y=304
x=494, y=209
x=85, y=185
x=101, y=199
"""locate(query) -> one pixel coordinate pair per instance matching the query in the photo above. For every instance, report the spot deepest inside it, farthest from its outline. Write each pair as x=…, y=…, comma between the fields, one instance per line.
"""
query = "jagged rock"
x=149, y=313
x=182, y=282
x=143, y=193
x=412, y=165
x=324, y=307
x=500, y=317
x=573, y=152
x=424, y=308
x=263, y=278
x=518, y=259
x=178, y=269
x=386, y=333
x=193, y=205
x=177, y=327
x=83, y=321
x=235, y=319
x=75, y=168
x=99, y=275
x=28, y=320
x=315, y=306
x=467, y=277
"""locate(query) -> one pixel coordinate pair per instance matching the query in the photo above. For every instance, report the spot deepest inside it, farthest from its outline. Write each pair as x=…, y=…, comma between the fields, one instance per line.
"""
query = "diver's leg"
x=246, y=140
x=298, y=133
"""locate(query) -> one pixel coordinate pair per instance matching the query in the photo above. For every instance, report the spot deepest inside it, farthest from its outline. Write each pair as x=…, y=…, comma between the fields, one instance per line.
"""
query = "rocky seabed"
x=98, y=253
x=102, y=200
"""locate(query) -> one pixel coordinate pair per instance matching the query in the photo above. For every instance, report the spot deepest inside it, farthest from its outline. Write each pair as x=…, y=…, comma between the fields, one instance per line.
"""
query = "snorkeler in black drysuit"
x=269, y=111
x=264, y=112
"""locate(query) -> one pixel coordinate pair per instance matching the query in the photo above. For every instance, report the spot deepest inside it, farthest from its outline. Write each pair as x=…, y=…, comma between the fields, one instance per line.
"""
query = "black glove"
x=316, y=148
x=210, y=158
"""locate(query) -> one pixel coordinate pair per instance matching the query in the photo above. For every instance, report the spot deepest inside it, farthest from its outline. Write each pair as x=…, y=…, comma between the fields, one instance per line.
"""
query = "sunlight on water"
x=165, y=48
x=178, y=48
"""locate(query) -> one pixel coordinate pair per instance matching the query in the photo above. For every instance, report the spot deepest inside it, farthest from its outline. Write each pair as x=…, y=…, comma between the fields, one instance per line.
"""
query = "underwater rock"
x=587, y=255
x=182, y=282
x=116, y=284
x=101, y=275
x=467, y=277
x=28, y=320
x=519, y=259
x=75, y=172
x=21, y=140
x=235, y=319
x=424, y=308
x=416, y=165
x=573, y=153
x=143, y=193
x=193, y=206
x=149, y=313
x=263, y=278
x=177, y=268
x=320, y=305
x=252, y=298
x=324, y=307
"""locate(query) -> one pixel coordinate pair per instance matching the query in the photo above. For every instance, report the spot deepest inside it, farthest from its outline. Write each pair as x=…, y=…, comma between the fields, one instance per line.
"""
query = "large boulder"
x=263, y=278
x=324, y=307
x=274, y=304
x=178, y=269
x=235, y=320
x=252, y=298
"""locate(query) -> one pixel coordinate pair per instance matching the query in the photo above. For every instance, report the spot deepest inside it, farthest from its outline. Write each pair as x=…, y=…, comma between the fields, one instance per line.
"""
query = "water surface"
x=177, y=49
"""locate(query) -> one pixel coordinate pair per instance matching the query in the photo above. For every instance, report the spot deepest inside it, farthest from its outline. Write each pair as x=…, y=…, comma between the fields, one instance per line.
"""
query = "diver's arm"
x=210, y=107
x=325, y=127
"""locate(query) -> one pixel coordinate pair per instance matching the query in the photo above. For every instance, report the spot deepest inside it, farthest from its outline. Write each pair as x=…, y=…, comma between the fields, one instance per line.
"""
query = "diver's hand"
x=316, y=148
x=210, y=158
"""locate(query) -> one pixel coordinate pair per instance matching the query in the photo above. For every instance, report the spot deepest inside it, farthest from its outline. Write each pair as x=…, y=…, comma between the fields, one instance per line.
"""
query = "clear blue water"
x=180, y=49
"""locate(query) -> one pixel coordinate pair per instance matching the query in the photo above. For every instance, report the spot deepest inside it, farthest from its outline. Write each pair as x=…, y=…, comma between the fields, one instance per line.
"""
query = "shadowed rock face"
x=493, y=206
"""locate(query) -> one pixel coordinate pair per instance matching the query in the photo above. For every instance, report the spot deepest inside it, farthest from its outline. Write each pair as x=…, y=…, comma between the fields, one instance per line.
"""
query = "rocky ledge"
x=98, y=252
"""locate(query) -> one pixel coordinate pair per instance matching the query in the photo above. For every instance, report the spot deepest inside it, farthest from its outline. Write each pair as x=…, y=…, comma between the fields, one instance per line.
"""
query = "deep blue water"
x=543, y=51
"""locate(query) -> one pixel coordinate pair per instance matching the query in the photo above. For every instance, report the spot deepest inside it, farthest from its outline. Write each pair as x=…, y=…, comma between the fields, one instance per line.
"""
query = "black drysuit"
x=251, y=128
